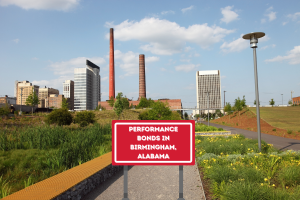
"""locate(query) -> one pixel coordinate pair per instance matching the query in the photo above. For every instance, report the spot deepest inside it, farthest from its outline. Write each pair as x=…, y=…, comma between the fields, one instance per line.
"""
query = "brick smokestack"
x=142, y=76
x=111, y=65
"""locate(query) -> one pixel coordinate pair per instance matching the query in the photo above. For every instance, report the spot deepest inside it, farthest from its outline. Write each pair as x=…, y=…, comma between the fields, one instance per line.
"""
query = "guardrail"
x=71, y=184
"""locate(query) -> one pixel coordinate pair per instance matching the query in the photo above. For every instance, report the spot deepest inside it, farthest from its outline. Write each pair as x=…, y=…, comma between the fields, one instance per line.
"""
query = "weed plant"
x=237, y=170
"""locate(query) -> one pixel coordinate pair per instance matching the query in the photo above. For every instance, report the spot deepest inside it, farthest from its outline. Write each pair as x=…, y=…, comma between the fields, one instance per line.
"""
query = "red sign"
x=153, y=142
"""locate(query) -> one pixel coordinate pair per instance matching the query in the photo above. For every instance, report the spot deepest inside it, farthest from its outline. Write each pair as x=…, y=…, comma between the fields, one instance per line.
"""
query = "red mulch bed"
x=247, y=120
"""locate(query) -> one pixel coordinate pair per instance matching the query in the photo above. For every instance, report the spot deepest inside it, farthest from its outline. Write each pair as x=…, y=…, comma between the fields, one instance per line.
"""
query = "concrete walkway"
x=151, y=182
x=278, y=142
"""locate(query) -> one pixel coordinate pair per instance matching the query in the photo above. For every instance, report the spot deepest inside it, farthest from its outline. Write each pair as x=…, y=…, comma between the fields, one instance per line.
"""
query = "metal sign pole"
x=180, y=183
x=125, y=182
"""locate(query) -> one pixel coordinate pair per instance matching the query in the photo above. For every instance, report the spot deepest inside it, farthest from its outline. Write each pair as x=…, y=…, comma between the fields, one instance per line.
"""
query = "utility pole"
x=292, y=96
x=224, y=102
x=207, y=106
x=21, y=101
x=282, y=98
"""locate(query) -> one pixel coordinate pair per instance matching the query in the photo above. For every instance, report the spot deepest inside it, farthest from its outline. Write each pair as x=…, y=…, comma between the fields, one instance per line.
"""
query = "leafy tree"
x=5, y=110
x=145, y=103
x=290, y=102
x=118, y=106
x=196, y=116
x=159, y=111
x=228, y=108
x=125, y=102
x=64, y=103
x=32, y=100
x=186, y=116
x=219, y=113
x=60, y=117
x=239, y=104
x=99, y=107
x=111, y=101
x=272, y=102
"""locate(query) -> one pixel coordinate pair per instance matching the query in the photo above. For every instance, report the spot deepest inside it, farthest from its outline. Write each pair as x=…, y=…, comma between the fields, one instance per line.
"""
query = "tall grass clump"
x=84, y=118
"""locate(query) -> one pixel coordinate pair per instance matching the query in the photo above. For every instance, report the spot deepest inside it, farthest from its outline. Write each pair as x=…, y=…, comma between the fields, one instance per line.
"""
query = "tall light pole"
x=282, y=98
x=253, y=37
x=207, y=106
x=224, y=102
x=21, y=101
x=292, y=96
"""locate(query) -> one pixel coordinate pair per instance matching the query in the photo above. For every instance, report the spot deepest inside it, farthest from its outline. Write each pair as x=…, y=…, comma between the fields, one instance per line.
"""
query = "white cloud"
x=284, y=23
x=228, y=14
x=187, y=49
x=294, y=16
x=186, y=9
x=35, y=58
x=268, y=46
x=67, y=67
x=166, y=38
x=186, y=67
x=167, y=12
x=63, y=5
x=163, y=69
x=196, y=54
x=55, y=83
x=271, y=15
x=293, y=57
x=16, y=41
x=104, y=78
x=185, y=60
x=129, y=62
x=240, y=44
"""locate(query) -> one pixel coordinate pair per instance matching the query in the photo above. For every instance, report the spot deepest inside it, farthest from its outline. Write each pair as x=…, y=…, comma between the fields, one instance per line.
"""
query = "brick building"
x=9, y=100
x=296, y=100
x=55, y=100
x=44, y=93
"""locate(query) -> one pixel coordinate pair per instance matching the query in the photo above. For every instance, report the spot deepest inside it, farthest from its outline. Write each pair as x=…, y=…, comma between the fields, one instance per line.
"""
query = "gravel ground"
x=151, y=182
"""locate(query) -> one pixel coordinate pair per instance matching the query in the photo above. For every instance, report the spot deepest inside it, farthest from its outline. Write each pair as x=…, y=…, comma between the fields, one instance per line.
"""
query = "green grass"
x=281, y=117
x=42, y=152
x=203, y=128
x=236, y=170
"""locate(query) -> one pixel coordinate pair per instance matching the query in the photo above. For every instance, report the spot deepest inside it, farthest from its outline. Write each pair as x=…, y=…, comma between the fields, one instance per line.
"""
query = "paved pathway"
x=151, y=182
x=278, y=142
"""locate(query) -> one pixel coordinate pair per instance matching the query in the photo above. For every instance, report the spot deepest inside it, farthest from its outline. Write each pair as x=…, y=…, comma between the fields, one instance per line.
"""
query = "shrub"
x=60, y=117
x=289, y=131
x=84, y=116
x=274, y=129
x=298, y=131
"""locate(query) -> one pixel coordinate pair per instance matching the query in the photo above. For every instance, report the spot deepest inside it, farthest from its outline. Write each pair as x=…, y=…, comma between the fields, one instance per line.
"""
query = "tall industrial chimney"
x=111, y=65
x=142, y=76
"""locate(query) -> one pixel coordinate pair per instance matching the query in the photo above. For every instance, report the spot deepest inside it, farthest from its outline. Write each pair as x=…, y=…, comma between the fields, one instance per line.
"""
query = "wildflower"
x=262, y=184
x=273, y=185
x=241, y=144
x=286, y=187
x=266, y=179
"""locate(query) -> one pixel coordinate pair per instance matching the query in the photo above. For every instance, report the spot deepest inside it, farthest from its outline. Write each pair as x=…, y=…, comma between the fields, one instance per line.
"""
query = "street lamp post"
x=282, y=99
x=207, y=106
x=224, y=102
x=253, y=37
x=21, y=101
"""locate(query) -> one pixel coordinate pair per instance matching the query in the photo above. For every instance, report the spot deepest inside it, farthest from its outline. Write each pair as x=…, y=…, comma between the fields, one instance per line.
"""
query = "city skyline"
x=49, y=40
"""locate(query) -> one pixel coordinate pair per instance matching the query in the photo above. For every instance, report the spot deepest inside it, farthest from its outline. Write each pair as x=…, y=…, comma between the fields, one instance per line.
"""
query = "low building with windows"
x=8, y=100
x=296, y=100
x=54, y=101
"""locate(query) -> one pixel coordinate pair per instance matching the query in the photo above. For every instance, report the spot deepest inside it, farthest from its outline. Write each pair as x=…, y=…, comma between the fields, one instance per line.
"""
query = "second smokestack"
x=142, y=77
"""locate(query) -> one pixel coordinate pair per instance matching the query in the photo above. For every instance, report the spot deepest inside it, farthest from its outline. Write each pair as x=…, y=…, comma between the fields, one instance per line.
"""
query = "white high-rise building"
x=208, y=81
x=68, y=92
x=87, y=92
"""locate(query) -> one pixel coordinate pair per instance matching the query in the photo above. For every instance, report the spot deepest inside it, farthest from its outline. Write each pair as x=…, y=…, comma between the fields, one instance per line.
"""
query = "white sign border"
x=151, y=123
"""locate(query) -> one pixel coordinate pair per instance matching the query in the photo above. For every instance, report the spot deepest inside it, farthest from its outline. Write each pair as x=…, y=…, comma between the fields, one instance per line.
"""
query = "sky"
x=43, y=41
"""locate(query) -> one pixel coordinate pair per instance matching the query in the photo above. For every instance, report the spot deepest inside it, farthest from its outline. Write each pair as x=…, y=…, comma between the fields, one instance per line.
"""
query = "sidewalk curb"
x=200, y=181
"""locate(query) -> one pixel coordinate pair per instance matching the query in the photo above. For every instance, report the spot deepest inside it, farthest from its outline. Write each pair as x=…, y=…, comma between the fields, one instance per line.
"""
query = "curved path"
x=151, y=182
x=278, y=142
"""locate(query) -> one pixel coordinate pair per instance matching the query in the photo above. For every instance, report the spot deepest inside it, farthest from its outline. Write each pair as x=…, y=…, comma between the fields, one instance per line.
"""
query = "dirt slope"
x=247, y=120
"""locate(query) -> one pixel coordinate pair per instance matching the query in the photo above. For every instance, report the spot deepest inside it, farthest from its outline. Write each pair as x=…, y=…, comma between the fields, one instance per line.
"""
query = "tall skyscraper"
x=87, y=92
x=68, y=92
x=208, y=81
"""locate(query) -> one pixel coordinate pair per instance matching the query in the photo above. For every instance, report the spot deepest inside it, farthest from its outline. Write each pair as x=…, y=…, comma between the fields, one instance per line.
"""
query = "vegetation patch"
x=235, y=169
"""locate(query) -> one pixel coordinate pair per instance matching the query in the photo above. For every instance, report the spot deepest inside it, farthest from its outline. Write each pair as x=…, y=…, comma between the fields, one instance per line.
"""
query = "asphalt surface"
x=147, y=182
x=278, y=142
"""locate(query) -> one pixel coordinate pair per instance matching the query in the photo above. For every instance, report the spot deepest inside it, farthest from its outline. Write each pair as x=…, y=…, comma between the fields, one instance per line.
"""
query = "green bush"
x=159, y=111
x=84, y=116
x=289, y=131
x=60, y=117
x=274, y=129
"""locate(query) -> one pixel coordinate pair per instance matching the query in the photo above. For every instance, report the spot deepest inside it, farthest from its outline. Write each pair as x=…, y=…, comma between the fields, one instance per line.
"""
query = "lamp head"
x=253, y=37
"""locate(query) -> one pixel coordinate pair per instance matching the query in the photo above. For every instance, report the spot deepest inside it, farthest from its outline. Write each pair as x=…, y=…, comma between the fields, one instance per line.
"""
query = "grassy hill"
x=287, y=118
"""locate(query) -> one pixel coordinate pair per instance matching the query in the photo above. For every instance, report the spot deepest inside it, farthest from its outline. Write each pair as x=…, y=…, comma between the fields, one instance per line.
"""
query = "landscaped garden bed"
x=233, y=168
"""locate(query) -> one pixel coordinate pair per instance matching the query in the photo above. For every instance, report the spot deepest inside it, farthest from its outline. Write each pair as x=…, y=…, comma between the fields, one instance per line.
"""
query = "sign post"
x=153, y=142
